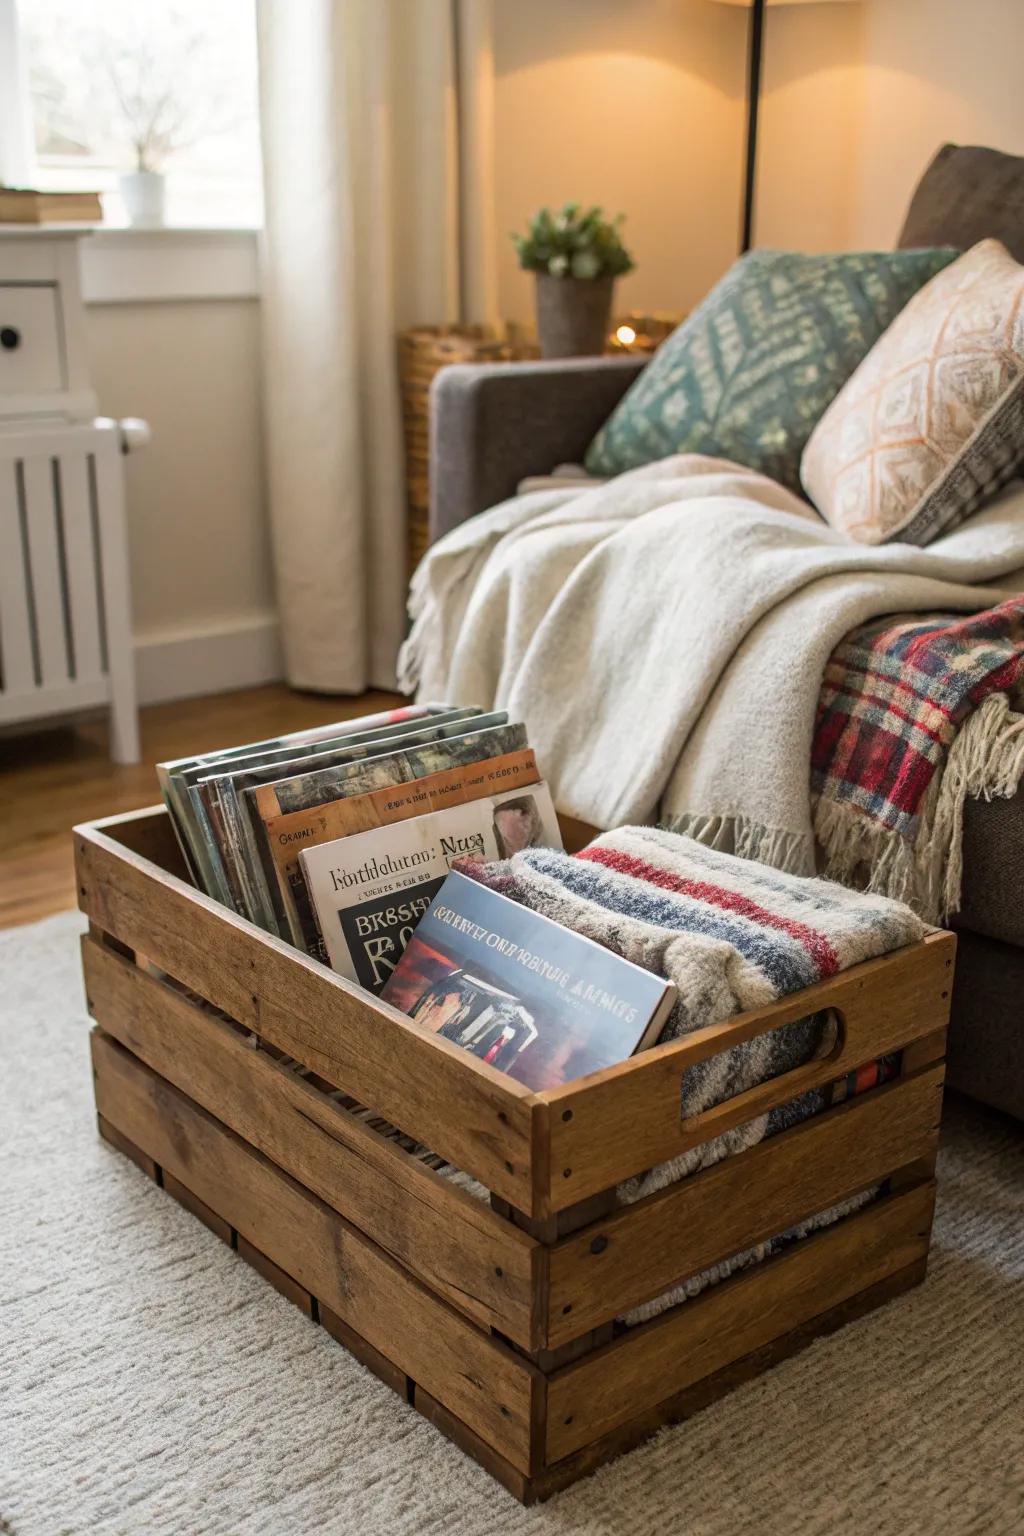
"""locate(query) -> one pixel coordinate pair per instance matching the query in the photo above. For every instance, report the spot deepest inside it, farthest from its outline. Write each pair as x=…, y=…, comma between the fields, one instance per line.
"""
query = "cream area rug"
x=150, y=1382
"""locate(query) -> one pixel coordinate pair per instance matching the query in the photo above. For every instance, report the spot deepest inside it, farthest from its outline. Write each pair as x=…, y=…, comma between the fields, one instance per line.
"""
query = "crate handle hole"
x=762, y=1097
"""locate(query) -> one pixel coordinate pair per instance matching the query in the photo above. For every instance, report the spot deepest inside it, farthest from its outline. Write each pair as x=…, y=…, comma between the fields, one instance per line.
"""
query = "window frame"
x=17, y=140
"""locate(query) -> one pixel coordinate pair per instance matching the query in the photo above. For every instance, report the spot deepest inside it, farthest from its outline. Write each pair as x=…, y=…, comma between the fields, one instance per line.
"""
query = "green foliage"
x=573, y=243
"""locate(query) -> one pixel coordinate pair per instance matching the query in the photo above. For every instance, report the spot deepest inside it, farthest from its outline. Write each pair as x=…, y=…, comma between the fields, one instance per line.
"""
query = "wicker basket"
x=423, y=352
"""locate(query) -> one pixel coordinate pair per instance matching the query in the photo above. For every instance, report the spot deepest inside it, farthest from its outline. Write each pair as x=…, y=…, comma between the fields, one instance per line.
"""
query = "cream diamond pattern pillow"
x=932, y=421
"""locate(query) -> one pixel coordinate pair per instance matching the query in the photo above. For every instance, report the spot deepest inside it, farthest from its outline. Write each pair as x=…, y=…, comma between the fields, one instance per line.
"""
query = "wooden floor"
x=52, y=779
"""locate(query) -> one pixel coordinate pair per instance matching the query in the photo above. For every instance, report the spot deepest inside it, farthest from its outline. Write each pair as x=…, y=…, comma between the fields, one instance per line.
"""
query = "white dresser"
x=65, y=603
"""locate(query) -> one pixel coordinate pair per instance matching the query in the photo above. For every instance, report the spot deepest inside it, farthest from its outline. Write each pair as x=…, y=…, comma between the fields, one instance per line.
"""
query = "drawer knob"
x=9, y=338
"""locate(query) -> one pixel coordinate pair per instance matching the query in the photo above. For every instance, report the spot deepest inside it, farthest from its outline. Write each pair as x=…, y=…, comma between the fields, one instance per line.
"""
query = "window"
x=118, y=85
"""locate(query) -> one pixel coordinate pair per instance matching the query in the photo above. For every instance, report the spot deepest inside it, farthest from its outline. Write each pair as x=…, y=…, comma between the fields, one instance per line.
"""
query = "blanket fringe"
x=985, y=762
x=408, y=665
x=788, y=851
x=420, y=609
x=871, y=858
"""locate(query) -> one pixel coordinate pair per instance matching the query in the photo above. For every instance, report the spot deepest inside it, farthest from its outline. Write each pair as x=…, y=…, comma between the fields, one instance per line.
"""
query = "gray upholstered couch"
x=494, y=424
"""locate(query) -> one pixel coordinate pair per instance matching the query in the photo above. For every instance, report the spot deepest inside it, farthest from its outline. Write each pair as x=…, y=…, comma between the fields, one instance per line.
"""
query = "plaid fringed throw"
x=912, y=719
x=732, y=935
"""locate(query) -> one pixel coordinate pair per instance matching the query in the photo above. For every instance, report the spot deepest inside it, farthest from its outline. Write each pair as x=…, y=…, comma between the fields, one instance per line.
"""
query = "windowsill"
x=154, y=266
x=129, y=265
x=174, y=231
x=135, y=231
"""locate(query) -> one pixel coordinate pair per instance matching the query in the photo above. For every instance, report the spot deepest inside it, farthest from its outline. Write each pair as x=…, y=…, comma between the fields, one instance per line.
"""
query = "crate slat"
x=662, y=1357
x=184, y=1196
x=150, y=833
x=622, y=1121
x=461, y=1108
x=694, y=1399
x=120, y=1143
x=517, y=1483
x=290, y=1289
x=642, y=1250
x=384, y=1369
x=488, y=1386
x=483, y=1265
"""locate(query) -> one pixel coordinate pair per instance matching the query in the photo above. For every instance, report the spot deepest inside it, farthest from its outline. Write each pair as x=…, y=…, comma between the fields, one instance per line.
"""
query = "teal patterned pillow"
x=748, y=374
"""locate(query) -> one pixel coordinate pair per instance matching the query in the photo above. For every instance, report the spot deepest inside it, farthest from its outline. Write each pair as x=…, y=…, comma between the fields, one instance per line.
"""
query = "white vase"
x=143, y=195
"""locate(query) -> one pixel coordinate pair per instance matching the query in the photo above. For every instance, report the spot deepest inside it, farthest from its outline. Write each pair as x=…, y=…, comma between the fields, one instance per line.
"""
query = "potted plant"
x=143, y=192
x=154, y=118
x=577, y=255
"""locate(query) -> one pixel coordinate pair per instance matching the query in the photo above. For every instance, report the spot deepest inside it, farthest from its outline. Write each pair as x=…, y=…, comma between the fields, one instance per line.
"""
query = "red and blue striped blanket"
x=731, y=934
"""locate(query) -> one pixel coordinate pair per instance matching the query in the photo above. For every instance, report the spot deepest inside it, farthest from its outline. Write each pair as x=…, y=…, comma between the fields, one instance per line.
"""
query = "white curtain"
x=377, y=170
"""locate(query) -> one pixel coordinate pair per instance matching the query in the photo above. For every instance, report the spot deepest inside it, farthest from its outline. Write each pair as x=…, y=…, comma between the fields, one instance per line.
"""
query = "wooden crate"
x=498, y=1320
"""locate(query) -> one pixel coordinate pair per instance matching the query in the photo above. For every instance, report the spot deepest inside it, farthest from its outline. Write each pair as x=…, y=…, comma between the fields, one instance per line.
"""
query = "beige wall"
x=636, y=106
x=197, y=526
x=935, y=70
x=811, y=122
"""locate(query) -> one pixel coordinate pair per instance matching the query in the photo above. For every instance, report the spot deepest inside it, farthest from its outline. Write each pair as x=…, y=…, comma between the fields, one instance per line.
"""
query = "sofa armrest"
x=993, y=853
x=492, y=424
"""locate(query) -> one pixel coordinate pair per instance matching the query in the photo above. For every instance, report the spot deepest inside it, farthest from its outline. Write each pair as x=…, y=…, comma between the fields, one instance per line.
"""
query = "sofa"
x=493, y=425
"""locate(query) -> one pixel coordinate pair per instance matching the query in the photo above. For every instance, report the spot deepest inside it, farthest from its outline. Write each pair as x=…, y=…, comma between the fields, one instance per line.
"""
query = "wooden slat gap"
x=744, y=1278
x=641, y=1250
x=679, y=1407
x=651, y=1361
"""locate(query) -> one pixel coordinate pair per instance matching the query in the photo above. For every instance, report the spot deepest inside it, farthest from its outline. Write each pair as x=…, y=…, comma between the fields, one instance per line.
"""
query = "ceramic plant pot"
x=143, y=195
x=573, y=314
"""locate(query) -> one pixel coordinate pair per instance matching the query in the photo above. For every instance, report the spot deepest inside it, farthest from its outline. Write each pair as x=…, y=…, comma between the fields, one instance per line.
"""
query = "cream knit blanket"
x=664, y=636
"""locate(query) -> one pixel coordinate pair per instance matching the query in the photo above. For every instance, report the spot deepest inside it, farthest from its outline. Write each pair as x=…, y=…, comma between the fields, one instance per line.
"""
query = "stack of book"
x=338, y=839
x=24, y=205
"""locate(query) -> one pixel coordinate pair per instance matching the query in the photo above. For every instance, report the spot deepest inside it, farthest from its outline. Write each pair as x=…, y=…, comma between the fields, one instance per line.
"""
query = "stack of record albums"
x=342, y=841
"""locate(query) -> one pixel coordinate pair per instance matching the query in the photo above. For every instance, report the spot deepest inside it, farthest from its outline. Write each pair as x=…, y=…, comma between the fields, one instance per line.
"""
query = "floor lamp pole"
x=756, y=48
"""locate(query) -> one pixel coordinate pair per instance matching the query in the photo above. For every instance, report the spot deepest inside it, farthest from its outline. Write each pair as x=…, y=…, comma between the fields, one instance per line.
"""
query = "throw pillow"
x=968, y=194
x=749, y=373
x=932, y=421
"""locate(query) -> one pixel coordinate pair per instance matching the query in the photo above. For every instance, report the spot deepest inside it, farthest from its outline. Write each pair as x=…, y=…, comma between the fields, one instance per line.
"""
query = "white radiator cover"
x=65, y=619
